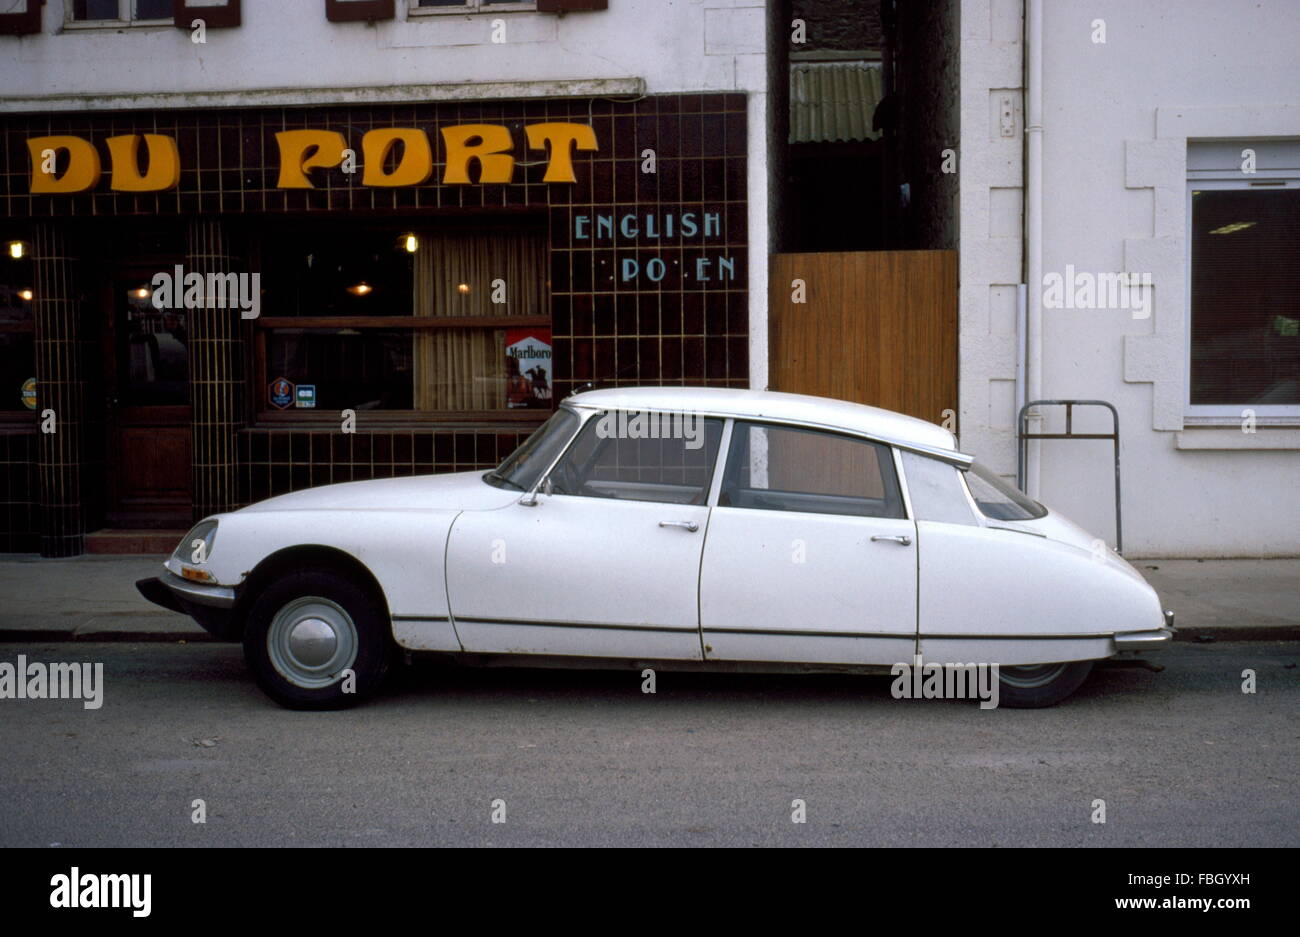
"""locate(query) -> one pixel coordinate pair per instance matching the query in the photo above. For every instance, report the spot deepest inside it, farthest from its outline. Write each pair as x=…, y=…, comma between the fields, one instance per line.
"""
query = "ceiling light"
x=1234, y=227
x=360, y=289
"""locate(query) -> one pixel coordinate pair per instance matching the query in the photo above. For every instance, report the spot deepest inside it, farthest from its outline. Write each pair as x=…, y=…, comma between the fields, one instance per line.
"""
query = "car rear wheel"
x=317, y=640
x=1039, y=685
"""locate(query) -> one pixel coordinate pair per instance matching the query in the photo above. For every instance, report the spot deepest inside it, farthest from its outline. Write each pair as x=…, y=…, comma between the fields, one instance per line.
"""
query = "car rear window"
x=998, y=500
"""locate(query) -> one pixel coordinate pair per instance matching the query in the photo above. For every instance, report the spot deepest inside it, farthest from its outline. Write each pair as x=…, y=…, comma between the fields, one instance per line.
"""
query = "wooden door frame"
x=117, y=417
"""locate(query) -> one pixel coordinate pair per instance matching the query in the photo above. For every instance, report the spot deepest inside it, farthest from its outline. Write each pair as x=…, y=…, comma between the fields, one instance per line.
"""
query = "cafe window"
x=120, y=11
x=409, y=323
x=17, y=348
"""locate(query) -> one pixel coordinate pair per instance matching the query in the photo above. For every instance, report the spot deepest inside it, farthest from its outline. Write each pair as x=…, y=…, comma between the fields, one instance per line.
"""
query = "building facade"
x=459, y=211
x=296, y=247
x=1166, y=152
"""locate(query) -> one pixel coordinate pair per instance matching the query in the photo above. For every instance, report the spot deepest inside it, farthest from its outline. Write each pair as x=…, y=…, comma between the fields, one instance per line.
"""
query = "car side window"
x=786, y=468
x=936, y=490
x=635, y=456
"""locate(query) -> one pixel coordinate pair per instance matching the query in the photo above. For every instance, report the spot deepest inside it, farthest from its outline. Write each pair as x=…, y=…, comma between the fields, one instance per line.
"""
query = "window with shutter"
x=20, y=17
x=351, y=11
x=216, y=14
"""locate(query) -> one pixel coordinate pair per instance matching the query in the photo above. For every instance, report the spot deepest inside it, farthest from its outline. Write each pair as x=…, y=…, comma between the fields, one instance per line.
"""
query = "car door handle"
x=896, y=538
x=686, y=525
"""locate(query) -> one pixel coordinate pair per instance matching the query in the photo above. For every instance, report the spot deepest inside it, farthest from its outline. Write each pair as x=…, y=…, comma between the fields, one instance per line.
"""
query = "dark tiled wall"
x=678, y=330
x=19, y=508
x=216, y=357
x=276, y=461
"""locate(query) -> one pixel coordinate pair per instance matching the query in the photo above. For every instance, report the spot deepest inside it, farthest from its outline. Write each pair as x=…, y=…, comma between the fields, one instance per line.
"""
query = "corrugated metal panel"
x=832, y=102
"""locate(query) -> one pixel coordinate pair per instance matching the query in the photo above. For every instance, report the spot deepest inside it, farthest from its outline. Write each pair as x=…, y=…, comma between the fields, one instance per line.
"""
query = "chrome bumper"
x=209, y=605
x=1147, y=640
x=198, y=593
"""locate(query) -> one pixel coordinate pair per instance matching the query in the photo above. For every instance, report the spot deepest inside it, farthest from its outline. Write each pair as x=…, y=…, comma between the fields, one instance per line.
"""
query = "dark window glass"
x=95, y=9
x=1245, y=297
x=641, y=457
x=337, y=273
x=780, y=468
x=17, y=372
x=155, y=361
x=350, y=369
x=153, y=9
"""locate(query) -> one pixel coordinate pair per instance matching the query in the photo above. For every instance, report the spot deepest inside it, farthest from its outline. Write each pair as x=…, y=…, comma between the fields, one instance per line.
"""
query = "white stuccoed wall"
x=990, y=196
x=1116, y=121
x=286, y=52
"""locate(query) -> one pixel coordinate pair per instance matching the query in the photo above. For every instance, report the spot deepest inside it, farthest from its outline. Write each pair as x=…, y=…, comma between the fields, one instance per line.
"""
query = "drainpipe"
x=1033, y=249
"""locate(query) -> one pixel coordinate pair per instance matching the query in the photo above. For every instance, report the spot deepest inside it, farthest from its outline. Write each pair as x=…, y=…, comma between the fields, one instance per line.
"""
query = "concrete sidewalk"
x=93, y=598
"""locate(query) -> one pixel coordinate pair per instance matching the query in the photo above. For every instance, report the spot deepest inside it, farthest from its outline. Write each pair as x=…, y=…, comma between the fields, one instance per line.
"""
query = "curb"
x=19, y=636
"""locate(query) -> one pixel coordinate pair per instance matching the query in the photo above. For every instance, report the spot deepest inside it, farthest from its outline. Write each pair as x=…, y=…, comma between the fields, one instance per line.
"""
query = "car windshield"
x=998, y=500
x=523, y=467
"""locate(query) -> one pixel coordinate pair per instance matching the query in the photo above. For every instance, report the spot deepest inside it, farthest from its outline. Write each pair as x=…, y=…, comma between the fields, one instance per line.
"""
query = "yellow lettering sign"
x=559, y=136
x=83, y=165
x=494, y=140
x=164, y=163
x=416, y=165
x=304, y=150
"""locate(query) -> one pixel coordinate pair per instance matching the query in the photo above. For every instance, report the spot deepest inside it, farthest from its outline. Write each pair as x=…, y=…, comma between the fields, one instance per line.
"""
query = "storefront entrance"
x=146, y=405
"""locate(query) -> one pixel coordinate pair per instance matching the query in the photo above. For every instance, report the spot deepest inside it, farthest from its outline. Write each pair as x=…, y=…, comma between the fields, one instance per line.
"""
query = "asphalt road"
x=1181, y=757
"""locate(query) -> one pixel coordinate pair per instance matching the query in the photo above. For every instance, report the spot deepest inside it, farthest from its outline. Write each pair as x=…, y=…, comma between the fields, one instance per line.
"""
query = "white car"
x=671, y=527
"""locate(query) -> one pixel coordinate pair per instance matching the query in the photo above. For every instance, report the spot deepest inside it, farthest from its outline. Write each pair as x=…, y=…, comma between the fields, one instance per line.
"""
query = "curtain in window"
x=464, y=369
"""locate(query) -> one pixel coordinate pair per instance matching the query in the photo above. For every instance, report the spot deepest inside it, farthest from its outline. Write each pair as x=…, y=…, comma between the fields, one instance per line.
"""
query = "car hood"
x=460, y=491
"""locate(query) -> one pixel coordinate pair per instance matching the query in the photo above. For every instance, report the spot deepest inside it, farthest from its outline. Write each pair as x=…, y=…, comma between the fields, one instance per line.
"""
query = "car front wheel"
x=1040, y=685
x=317, y=640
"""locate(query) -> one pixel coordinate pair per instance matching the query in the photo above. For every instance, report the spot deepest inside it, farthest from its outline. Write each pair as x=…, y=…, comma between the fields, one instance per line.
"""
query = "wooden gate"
x=876, y=327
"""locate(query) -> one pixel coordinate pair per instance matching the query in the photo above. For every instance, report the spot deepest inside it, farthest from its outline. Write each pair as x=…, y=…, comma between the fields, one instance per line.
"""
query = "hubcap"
x=311, y=641
x=1032, y=676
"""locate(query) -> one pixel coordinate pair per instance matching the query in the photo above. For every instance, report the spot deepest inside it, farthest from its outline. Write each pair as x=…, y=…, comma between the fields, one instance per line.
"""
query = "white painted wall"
x=286, y=52
x=1117, y=118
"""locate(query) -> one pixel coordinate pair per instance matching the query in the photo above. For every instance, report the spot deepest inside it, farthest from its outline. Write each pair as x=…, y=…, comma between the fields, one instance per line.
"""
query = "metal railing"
x=1022, y=437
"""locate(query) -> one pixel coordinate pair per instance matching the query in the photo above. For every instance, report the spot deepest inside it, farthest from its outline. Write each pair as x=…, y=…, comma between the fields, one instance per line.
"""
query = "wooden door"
x=146, y=370
x=875, y=327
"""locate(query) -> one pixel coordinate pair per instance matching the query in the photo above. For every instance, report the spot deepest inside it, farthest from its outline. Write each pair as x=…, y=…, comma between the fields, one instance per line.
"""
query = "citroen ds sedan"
x=670, y=527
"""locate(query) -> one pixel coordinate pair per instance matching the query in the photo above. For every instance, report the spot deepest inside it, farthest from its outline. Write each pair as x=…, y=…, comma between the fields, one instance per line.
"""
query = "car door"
x=810, y=555
x=605, y=564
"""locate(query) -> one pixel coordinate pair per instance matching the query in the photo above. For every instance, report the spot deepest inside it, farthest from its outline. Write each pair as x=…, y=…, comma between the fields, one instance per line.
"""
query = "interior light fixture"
x=1234, y=227
x=360, y=289
x=17, y=250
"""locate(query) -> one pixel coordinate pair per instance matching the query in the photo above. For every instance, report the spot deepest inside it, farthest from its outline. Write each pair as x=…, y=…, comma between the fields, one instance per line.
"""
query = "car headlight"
x=194, y=550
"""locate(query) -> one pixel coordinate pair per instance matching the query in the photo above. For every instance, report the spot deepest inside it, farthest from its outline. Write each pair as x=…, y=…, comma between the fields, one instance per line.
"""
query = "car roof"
x=885, y=425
